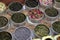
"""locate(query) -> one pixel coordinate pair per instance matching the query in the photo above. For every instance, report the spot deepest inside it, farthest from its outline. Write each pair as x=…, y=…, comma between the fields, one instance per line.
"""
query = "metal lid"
x=22, y=33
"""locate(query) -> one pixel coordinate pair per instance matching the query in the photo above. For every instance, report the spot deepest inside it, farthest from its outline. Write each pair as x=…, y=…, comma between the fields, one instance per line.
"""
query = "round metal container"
x=51, y=18
x=22, y=33
x=6, y=26
x=49, y=33
x=9, y=10
x=57, y=4
x=35, y=21
x=18, y=24
x=53, y=31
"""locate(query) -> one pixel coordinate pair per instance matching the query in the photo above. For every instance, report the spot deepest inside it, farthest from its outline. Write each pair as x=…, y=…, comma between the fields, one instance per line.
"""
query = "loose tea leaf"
x=5, y=36
x=3, y=21
x=56, y=26
x=16, y=6
x=31, y=3
x=41, y=30
x=52, y=12
x=18, y=17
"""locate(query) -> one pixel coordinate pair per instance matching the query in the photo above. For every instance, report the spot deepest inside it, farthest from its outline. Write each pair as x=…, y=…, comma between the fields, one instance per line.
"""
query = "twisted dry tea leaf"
x=41, y=30
x=52, y=12
x=3, y=21
x=5, y=36
x=56, y=26
x=15, y=6
x=31, y=3
x=18, y=17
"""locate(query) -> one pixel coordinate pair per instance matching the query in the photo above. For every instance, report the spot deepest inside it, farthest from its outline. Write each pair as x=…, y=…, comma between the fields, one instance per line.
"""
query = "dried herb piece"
x=18, y=17
x=31, y=3
x=41, y=30
x=56, y=26
x=5, y=36
x=52, y=12
x=15, y=6
x=3, y=21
